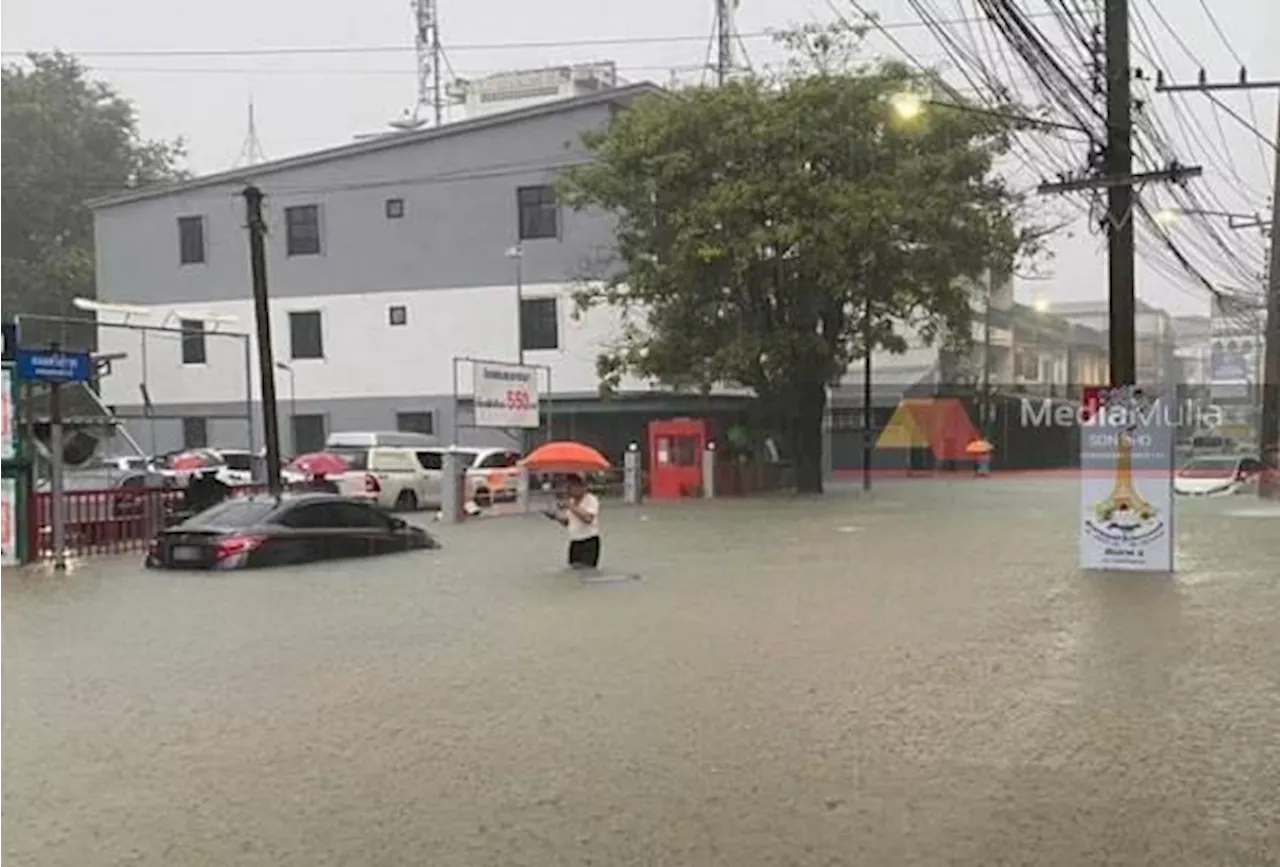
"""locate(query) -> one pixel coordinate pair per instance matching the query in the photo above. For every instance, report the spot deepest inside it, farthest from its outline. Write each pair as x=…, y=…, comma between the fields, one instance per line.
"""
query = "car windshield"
x=243, y=462
x=1210, y=467
x=233, y=515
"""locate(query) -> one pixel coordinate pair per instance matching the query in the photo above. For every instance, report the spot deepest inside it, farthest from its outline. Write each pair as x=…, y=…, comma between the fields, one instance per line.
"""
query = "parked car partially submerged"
x=260, y=530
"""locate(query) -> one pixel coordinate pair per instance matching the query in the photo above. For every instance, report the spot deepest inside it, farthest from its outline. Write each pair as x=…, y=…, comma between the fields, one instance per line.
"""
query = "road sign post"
x=56, y=368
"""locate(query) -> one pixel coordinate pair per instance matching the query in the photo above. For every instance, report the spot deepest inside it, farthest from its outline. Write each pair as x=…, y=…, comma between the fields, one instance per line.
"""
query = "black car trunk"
x=190, y=548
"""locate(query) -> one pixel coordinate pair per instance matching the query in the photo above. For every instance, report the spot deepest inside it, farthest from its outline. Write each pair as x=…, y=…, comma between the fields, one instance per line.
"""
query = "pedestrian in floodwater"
x=580, y=513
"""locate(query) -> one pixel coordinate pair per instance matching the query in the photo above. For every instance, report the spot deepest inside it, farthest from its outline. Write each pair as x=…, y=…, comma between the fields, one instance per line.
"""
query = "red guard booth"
x=675, y=457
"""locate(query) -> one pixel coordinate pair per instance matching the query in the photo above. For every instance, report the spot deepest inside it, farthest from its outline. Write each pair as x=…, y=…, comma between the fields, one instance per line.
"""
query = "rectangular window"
x=539, y=328
x=306, y=339
x=539, y=215
x=416, y=422
x=193, y=346
x=397, y=314
x=308, y=433
x=195, y=433
x=302, y=230
x=190, y=240
x=394, y=209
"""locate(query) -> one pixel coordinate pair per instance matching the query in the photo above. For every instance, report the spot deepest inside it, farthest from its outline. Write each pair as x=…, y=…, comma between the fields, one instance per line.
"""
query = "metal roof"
x=381, y=143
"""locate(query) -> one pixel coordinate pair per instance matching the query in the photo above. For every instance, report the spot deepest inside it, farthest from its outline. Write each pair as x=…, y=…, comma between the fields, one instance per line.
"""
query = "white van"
x=492, y=474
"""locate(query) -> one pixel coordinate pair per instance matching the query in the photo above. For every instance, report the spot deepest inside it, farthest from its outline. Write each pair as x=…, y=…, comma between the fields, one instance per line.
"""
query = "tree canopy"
x=67, y=139
x=768, y=231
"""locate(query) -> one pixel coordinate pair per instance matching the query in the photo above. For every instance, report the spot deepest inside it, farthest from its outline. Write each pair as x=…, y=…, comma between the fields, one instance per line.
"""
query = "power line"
x=404, y=49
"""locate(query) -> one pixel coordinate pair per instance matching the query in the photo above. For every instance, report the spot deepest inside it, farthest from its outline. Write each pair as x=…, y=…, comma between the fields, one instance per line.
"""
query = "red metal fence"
x=111, y=521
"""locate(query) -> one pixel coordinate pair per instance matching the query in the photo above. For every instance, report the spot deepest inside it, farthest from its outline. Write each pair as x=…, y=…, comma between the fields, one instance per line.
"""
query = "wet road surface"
x=922, y=679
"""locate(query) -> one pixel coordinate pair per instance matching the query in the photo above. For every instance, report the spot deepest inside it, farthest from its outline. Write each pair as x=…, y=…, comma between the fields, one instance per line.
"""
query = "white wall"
x=364, y=355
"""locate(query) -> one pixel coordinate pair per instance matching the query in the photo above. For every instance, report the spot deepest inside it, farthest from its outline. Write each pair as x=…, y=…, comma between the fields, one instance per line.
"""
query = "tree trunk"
x=810, y=407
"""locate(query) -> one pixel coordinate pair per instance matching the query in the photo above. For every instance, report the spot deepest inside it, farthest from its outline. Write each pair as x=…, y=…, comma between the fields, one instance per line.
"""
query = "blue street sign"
x=47, y=365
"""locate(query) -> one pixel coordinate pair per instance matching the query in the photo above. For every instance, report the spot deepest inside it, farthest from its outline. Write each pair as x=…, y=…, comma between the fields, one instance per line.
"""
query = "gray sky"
x=314, y=100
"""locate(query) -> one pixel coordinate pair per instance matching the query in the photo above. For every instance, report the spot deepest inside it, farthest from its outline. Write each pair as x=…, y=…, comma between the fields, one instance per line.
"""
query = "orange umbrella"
x=979, y=447
x=565, y=456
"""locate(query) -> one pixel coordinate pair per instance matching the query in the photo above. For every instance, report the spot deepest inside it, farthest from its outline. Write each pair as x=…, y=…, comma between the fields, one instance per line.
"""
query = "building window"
x=397, y=314
x=539, y=216
x=193, y=347
x=195, y=433
x=190, y=240
x=416, y=422
x=305, y=337
x=302, y=230
x=308, y=434
x=394, y=208
x=539, y=328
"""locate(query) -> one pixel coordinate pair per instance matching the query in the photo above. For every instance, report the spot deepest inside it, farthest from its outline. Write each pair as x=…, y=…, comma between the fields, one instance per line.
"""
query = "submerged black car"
x=248, y=532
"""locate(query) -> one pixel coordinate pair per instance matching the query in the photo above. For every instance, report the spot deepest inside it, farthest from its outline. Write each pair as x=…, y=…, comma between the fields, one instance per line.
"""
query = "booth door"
x=677, y=464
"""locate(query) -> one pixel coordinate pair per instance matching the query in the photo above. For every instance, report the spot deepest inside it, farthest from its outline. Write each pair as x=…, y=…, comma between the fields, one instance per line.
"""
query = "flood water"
x=920, y=679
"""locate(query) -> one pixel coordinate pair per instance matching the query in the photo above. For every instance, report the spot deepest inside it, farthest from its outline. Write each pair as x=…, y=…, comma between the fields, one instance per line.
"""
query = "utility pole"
x=868, y=411
x=1119, y=180
x=1269, y=429
x=1119, y=163
x=262, y=319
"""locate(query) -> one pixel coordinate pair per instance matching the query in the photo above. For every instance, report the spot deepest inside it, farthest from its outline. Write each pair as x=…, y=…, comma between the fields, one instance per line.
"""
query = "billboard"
x=1126, y=481
x=9, y=444
x=9, y=522
x=505, y=395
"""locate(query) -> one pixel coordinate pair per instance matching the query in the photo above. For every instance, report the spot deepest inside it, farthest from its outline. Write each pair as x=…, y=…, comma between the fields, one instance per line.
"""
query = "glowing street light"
x=1040, y=305
x=906, y=105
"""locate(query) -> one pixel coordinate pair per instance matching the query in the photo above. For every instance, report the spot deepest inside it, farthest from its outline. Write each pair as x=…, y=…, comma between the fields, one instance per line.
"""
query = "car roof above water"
x=373, y=439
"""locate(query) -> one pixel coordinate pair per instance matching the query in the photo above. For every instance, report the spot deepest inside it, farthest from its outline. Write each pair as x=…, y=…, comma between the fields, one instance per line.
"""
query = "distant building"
x=1155, y=338
x=505, y=91
x=1237, y=346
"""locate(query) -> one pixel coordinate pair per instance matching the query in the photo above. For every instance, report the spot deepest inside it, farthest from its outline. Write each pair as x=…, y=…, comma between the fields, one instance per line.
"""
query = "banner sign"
x=505, y=395
x=9, y=522
x=1126, y=480
x=7, y=442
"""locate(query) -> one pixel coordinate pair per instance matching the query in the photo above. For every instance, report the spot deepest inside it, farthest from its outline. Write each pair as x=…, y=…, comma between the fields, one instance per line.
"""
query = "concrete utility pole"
x=724, y=40
x=262, y=318
x=1269, y=430
x=1119, y=180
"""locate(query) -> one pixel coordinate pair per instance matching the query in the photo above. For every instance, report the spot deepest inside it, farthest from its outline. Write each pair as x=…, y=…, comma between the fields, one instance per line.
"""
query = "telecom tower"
x=430, y=57
x=251, y=152
x=725, y=34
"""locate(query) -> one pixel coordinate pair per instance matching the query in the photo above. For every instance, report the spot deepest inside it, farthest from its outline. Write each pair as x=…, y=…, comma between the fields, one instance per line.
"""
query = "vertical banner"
x=9, y=521
x=505, y=395
x=1126, y=481
x=7, y=414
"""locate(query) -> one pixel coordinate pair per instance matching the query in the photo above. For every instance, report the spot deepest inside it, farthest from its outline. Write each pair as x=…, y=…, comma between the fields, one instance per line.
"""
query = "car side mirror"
x=399, y=523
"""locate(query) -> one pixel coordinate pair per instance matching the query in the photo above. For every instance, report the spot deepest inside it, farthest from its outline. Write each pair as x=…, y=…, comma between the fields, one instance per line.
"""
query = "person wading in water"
x=580, y=513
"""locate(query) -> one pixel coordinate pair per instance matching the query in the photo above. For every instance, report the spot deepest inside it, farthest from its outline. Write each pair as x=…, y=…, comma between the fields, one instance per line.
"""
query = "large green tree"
x=67, y=139
x=768, y=231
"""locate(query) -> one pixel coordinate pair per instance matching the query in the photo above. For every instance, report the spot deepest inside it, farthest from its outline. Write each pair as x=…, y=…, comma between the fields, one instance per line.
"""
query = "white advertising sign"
x=9, y=520
x=505, y=395
x=1126, y=481
x=9, y=446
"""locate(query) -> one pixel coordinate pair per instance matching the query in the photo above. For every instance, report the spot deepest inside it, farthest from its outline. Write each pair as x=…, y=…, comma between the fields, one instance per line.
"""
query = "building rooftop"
x=247, y=174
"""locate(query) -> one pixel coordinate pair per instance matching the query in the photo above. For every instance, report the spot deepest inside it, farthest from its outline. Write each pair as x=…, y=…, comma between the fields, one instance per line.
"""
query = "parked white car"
x=387, y=475
x=492, y=475
x=1217, y=474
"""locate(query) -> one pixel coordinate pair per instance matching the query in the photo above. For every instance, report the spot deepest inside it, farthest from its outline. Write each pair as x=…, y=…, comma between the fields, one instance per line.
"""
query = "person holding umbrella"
x=580, y=513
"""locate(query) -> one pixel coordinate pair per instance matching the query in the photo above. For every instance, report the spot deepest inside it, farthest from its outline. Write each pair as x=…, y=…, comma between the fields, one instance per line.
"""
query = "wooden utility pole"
x=262, y=319
x=1269, y=429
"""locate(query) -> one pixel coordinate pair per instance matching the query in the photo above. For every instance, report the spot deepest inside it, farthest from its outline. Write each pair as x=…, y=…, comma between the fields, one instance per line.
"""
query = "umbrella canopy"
x=193, y=460
x=979, y=447
x=320, y=464
x=565, y=456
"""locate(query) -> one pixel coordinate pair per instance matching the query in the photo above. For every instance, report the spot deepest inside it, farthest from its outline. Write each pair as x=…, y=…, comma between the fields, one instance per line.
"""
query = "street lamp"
x=293, y=405
x=516, y=253
x=1040, y=305
x=910, y=106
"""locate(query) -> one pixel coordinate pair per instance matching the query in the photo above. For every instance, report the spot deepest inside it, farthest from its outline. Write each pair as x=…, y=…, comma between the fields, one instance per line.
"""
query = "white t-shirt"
x=580, y=529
